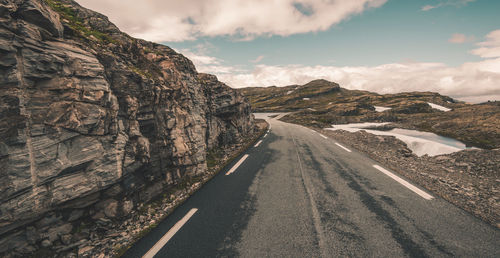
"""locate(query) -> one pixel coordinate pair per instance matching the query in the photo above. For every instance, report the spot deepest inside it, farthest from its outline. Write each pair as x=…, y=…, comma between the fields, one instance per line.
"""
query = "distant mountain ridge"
x=318, y=94
x=322, y=103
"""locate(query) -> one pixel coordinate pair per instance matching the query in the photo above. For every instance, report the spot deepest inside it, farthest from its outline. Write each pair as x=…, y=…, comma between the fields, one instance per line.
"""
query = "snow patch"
x=438, y=107
x=418, y=142
x=312, y=109
x=289, y=92
x=381, y=109
x=306, y=99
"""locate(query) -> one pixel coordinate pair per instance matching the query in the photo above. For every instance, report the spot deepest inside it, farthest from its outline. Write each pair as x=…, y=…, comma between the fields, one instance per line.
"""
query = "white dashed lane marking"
x=405, y=183
x=159, y=245
x=346, y=149
x=237, y=165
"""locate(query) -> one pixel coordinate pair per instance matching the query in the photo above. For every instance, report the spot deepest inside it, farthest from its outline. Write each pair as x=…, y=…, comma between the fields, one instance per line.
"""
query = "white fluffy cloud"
x=473, y=81
x=173, y=20
x=489, y=48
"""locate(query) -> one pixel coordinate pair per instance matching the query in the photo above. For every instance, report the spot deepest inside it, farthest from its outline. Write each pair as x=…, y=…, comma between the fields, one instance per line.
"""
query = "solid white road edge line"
x=258, y=143
x=323, y=136
x=405, y=183
x=346, y=149
x=164, y=239
x=237, y=165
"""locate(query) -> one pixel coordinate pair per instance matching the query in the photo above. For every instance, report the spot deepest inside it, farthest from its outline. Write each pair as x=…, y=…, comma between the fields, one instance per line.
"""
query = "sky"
x=386, y=46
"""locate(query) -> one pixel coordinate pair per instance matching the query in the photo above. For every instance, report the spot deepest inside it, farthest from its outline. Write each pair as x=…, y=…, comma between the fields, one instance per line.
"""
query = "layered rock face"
x=88, y=113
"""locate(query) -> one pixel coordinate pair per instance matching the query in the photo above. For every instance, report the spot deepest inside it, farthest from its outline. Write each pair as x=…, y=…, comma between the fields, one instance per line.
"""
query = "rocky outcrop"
x=321, y=103
x=93, y=121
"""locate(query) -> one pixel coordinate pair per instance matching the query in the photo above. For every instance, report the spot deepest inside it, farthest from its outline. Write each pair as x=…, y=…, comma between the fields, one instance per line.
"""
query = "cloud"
x=173, y=20
x=257, y=60
x=489, y=48
x=207, y=64
x=456, y=3
x=199, y=59
x=459, y=38
x=428, y=7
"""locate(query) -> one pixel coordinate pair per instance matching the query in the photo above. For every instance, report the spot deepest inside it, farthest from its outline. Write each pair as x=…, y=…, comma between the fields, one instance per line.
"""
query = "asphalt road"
x=300, y=194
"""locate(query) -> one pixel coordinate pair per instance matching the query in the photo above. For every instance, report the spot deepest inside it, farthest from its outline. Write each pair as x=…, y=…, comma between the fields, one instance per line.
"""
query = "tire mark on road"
x=409, y=246
x=390, y=202
x=314, y=209
x=333, y=213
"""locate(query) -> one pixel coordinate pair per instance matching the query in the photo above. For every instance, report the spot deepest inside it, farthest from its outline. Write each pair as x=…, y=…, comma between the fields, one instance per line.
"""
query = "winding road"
x=297, y=193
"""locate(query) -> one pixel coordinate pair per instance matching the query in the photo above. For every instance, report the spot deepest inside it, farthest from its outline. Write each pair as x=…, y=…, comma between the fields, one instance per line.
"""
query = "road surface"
x=298, y=193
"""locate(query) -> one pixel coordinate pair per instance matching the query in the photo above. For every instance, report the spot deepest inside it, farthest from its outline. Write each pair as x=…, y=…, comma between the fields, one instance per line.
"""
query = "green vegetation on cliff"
x=75, y=23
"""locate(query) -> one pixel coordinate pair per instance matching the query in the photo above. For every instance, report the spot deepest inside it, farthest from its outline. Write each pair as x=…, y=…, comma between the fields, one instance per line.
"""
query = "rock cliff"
x=93, y=120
